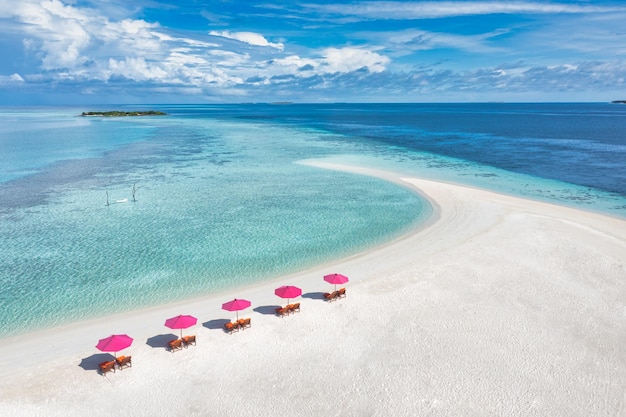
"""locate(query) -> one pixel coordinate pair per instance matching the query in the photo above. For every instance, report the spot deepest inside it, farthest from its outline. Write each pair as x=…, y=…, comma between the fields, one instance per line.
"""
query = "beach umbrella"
x=114, y=343
x=180, y=322
x=288, y=291
x=336, y=279
x=236, y=305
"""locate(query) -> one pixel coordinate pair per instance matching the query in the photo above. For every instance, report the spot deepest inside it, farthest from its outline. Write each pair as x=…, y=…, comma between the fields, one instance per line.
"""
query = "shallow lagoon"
x=221, y=199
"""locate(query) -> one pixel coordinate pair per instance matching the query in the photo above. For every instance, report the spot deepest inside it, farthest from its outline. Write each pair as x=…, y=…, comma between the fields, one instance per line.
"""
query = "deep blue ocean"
x=221, y=200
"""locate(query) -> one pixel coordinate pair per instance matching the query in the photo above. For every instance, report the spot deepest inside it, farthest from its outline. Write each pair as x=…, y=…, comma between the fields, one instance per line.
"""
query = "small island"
x=122, y=113
x=619, y=102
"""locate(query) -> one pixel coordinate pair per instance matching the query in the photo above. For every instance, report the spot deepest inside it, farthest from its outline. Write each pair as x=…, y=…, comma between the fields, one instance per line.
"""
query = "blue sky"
x=70, y=52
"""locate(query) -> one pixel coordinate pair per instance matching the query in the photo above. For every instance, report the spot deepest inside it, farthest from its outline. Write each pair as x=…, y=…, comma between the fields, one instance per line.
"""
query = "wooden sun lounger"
x=330, y=296
x=174, y=345
x=246, y=323
x=282, y=311
x=293, y=308
x=189, y=340
x=124, y=362
x=231, y=327
x=107, y=366
x=341, y=293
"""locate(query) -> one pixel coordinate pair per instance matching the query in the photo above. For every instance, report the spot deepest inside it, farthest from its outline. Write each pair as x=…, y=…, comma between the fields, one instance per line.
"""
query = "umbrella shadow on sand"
x=314, y=295
x=160, y=341
x=267, y=310
x=217, y=324
x=91, y=363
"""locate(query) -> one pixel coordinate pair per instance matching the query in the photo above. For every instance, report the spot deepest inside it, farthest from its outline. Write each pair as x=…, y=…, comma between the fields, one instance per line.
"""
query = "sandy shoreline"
x=500, y=306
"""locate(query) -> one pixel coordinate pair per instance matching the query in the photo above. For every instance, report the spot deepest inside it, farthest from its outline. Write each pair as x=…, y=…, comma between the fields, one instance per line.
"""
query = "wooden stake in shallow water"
x=107, y=198
x=134, y=191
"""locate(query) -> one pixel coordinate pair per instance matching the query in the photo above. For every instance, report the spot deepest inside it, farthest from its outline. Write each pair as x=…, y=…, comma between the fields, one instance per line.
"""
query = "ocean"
x=107, y=215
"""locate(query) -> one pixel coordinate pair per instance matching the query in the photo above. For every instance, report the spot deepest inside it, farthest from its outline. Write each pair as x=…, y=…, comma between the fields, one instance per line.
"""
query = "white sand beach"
x=499, y=306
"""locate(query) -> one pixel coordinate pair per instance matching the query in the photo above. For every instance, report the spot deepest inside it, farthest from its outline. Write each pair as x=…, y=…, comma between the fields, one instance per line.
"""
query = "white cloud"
x=351, y=59
x=250, y=38
x=329, y=61
x=57, y=29
x=66, y=37
x=594, y=36
x=411, y=40
x=74, y=43
x=136, y=68
x=191, y=42
x=229, y=59
x=16, y=77
x=296, y=63
x=132, y=37
x=439, y=9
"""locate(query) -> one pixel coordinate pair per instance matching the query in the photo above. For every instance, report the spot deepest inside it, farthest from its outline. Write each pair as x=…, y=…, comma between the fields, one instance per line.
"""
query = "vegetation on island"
x=123, y=113
x=619, y=102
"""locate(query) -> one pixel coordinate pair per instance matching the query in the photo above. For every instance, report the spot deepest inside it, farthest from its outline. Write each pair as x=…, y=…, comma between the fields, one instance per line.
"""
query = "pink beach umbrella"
x=236, y=305
x=114, y=343
x=288, y=291
x=180, y=322
x=336, y=279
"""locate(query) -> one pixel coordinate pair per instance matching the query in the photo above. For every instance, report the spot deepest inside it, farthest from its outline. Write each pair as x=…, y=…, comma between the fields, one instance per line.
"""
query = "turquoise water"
x=222, y=199
x=218, y=204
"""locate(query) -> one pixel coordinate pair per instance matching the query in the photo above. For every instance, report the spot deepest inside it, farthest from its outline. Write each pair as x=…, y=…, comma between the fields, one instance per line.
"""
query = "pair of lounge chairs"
x=335, y=295
x=235, y=326
x=178, y=344
x=289, y=309
x=119, y=363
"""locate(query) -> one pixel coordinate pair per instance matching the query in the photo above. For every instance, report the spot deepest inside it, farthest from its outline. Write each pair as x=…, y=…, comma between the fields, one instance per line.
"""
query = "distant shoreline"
x=122, y=113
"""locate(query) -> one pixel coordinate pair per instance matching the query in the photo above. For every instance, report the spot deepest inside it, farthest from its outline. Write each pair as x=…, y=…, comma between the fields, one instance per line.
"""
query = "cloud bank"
x=349, y=51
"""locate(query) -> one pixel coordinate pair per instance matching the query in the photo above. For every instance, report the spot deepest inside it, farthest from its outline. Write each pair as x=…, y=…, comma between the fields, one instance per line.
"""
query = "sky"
x=72, y=52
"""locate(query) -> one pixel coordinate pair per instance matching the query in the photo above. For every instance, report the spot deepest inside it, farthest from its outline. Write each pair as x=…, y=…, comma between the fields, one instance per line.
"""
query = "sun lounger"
x=107, y=366
x=295, y=307
x=174, y=345
x=341, y=293
x=246, y=324
x=189, y=340
x=282, y=311
x=332, y=296
x=231, y=327
x=124, y=362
